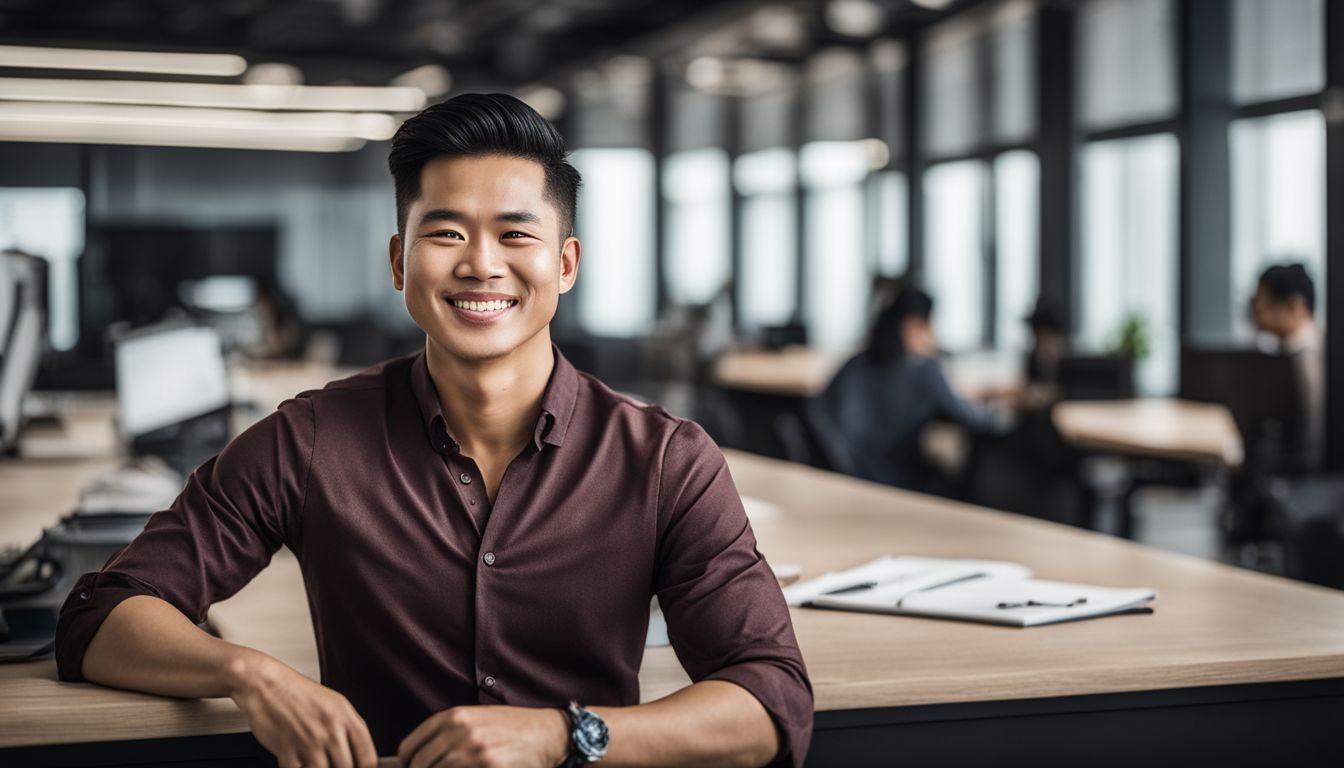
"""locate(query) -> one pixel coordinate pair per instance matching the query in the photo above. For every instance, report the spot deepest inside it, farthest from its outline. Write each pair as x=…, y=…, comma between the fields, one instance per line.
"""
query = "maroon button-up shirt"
x=424, y=595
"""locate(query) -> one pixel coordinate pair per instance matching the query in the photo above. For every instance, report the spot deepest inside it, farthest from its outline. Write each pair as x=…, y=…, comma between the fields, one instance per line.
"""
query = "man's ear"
x=570, y=251
x=398, y=262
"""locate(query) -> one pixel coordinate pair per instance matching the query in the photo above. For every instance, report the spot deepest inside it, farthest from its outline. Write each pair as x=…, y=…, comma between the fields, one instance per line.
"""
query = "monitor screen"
x=22, y=333
x=166, y=375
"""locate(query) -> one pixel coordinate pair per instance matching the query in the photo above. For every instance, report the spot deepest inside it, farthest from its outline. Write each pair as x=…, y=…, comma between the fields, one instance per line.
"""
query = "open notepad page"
x=1016, y=602
x=900, y=575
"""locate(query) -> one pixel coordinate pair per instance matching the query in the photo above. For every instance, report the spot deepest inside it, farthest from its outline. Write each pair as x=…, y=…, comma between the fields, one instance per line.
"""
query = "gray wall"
x=334, y=212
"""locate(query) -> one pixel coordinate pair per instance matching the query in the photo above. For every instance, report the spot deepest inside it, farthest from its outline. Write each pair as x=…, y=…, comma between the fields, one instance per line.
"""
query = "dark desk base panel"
x=1279, y=724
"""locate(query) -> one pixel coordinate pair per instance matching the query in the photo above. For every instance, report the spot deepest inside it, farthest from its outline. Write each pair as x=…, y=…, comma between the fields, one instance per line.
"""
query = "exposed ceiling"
x=362, y=42
x=482, y=43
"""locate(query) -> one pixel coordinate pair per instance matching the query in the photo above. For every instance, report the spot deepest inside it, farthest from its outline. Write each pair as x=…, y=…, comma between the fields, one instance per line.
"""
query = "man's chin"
x=478, y=350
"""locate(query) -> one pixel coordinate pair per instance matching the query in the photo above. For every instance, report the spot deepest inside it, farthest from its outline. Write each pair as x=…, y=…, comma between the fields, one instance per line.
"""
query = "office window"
x=697, y=234
x=953, y=95
x=1278, y=202
x=836, y=99
x=1278, y=49
x=888, y=60
x=1012, y=40
x=1016, y=243
x=954, y=245
x=979, y=79
x=616, y=288
x=49, y=222
x=888, y=208
x=767, y=291
x=1128, y=266
x=1127, y=61
x=836, y=271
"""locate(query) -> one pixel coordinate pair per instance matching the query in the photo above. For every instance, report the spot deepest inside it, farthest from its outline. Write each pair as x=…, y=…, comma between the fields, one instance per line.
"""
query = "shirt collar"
x=557, y=403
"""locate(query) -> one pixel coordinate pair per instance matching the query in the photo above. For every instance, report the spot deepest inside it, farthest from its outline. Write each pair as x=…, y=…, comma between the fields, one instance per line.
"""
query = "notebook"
x=991, y=592
x=899, y=573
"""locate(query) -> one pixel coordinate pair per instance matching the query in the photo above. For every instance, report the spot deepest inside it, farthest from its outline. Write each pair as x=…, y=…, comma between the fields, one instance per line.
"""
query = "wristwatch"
x=587, y=736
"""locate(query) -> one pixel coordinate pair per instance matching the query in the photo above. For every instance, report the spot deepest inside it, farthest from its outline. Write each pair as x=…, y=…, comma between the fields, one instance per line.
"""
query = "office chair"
x=1261, y=392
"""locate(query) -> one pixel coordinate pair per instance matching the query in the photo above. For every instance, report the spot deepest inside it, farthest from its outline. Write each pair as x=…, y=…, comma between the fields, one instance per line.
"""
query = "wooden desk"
x=792, y=371
x=805, y=371
x=1156, y=427
x=1233, y=667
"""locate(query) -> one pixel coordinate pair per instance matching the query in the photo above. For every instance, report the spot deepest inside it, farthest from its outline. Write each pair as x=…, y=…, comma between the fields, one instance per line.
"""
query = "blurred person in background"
x=1049, y=343
x=874, y=409
x=1284, y=306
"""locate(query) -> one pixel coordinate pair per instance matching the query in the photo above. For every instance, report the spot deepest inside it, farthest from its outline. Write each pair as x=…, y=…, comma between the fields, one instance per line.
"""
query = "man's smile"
x=479, y=307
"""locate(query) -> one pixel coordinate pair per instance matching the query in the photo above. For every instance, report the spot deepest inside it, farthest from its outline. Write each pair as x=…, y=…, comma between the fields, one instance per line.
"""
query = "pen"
x=852, y=588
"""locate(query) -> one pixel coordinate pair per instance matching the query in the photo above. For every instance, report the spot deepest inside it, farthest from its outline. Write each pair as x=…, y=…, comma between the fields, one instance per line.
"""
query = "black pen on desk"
x=852, y=588
x=939, y=585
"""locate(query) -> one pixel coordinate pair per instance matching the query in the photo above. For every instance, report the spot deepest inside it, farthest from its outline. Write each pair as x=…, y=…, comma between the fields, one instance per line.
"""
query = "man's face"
x=1269, y=315
x=483, y=261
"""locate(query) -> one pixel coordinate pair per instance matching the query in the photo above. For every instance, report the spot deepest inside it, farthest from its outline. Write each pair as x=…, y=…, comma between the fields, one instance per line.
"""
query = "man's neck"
x=491, y=406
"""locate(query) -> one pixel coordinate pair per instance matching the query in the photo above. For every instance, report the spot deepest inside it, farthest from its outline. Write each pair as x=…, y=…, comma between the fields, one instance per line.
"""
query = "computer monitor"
x=1096, y=377
x=173, y=393
x=23, y=329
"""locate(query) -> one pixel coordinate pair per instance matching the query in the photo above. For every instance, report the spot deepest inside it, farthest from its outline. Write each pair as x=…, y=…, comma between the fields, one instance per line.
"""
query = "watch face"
x=590, y=735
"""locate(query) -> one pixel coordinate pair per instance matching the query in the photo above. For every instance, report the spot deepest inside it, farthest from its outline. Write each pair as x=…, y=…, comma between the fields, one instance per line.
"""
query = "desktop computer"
x=172, y=394
x=173, y=414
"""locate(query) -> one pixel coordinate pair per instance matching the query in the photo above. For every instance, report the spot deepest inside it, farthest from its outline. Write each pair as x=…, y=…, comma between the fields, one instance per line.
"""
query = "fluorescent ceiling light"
x=199, y=64
x=187, y=127
x=277, y=97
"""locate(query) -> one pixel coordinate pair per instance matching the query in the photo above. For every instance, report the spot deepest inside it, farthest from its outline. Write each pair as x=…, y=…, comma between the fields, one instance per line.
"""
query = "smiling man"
x=480, y=526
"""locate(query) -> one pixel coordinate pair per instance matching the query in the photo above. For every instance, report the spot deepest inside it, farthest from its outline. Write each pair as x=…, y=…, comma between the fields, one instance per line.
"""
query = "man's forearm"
x=145, y=644
x=713, y=722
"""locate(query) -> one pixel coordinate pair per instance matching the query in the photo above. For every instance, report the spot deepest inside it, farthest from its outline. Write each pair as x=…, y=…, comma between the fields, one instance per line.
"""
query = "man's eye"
x=444, y=233
x=515, y=235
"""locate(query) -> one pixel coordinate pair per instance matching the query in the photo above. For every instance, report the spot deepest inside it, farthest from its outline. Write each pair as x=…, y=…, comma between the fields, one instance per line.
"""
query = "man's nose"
x=482, y=259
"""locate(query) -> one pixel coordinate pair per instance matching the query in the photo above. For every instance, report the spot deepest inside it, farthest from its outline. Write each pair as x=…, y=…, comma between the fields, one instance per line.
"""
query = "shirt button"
x=489, y=681
x=489, y=558
x=465, y=478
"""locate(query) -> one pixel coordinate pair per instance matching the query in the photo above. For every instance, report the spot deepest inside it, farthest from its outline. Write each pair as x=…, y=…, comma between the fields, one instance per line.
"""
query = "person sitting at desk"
x=477, y=524
x=1284, y=306
x=874, y=409
x=1049, y=343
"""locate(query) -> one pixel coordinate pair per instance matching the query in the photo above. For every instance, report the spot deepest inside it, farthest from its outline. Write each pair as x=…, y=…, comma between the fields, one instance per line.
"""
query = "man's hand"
x=299, y=721
x=488, y=736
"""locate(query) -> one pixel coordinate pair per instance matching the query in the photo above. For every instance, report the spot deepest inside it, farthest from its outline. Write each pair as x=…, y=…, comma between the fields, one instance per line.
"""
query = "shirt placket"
x=470, y=485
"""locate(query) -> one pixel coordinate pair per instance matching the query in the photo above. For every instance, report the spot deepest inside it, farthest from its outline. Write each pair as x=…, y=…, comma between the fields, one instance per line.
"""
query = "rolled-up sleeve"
x=726, y=616
x=234, y=512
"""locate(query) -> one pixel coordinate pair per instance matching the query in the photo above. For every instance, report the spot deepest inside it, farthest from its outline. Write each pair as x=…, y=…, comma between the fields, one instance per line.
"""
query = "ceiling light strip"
x=198, y=64
x=264, y=97
x=365, y=126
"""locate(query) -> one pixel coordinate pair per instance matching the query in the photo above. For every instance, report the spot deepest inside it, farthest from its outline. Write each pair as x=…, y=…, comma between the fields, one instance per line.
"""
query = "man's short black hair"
x=482, y=124
x=1284, y=281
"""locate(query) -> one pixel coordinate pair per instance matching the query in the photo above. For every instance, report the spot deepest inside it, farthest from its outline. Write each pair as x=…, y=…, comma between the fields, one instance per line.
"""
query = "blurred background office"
x=1127, y=216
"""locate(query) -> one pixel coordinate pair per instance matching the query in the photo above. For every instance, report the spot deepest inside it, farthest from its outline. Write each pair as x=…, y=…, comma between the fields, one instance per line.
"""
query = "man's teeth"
x=482, y=306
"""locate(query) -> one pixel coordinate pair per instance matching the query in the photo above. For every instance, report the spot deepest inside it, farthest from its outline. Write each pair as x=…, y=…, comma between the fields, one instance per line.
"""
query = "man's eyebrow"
x=519, y=217
x=448, y=214
x=442, y=214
